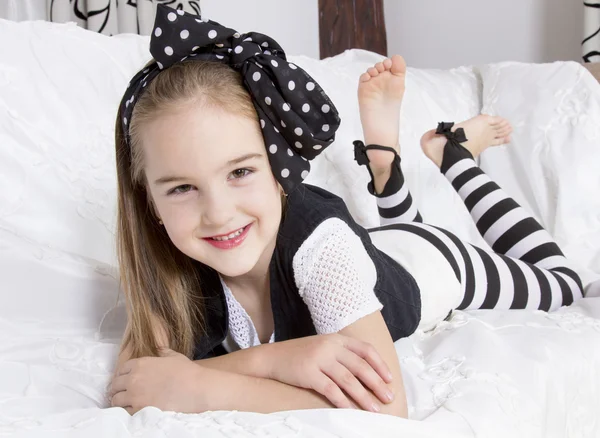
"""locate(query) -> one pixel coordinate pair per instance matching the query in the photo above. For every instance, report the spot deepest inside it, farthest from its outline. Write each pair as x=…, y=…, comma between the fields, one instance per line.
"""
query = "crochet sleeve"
x=335, y=277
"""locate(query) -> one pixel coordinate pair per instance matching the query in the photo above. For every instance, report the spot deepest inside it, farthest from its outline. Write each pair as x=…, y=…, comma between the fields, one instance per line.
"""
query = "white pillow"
x=552, y=166
x=59, y=89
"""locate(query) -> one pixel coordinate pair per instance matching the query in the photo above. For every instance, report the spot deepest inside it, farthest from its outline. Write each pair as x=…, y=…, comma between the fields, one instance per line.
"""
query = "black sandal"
x=360, y=152
x=453, y=149
x=396, y=178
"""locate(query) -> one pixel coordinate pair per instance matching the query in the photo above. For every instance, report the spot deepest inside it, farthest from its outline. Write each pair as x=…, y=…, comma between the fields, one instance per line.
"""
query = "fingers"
x=333, y=393
x=120, y=400
x=126, y=367
x=347, y=382
x=367, y=375
x=370, y=355
x=167, y=352
x=118, y=384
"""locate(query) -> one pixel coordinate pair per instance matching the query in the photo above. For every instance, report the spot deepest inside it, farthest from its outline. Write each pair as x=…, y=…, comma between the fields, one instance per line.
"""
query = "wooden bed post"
x=351, y=24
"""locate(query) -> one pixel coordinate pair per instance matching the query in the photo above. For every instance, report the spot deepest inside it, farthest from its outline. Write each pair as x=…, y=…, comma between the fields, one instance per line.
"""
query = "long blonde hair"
x=159, y=281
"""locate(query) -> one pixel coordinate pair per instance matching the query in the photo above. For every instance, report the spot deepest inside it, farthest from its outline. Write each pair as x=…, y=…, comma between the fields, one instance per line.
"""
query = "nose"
x=218, y=209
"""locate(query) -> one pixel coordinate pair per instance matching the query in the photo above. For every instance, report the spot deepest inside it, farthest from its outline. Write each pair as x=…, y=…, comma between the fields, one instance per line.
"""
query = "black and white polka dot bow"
x=297, y=118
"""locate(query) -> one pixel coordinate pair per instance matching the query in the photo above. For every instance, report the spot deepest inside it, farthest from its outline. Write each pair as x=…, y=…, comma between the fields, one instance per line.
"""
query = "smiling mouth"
x=225, y=237
x=231, y=240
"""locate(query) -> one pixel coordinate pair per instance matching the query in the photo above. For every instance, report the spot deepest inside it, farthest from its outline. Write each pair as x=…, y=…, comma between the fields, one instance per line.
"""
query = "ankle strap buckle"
x=360, y=153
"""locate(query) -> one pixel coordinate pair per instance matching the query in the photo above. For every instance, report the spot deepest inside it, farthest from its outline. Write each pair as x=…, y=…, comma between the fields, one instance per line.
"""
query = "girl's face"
x=209, y=177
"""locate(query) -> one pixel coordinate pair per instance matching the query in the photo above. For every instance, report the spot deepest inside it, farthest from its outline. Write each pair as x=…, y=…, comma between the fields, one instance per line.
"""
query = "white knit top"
x=335, y=277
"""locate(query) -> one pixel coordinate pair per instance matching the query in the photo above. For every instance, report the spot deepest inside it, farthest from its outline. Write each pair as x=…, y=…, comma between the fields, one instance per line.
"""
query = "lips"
x=230, y=240
x=229, y=236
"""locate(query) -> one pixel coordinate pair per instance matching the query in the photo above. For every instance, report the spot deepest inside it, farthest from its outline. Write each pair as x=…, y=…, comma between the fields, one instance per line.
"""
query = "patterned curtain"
x=105, y=16
x=114, y=16
x=591, y=42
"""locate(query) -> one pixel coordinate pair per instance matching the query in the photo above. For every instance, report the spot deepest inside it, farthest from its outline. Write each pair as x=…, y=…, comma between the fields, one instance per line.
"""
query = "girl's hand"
x=170, y=382
x=331, y=365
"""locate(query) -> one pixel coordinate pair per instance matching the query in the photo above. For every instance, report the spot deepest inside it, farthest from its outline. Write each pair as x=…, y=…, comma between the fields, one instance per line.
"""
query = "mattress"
x=480, y=374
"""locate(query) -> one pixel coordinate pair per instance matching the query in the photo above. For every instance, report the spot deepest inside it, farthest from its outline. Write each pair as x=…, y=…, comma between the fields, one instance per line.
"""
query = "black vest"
x=307, y=207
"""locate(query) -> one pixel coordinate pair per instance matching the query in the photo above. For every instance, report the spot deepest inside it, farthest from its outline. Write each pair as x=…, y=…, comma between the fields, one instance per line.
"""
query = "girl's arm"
x=272, y=396
x=252, y=362
x=254, y=394
x=302, y=373
x=372, y=328
x=174, y=383
x=336, y=277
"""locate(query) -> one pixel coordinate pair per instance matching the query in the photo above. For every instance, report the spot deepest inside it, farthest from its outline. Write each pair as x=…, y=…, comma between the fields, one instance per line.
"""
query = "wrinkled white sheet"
x=484, y=373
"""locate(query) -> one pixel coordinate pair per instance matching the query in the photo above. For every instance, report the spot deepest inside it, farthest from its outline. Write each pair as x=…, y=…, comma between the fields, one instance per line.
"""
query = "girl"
x=223, y=249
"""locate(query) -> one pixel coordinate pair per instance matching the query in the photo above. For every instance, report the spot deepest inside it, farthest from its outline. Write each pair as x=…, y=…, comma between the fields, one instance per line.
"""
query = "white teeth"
x=229, y=236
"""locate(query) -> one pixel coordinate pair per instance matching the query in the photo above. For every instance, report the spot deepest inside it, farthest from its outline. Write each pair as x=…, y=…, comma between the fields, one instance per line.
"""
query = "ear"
x=281, y=191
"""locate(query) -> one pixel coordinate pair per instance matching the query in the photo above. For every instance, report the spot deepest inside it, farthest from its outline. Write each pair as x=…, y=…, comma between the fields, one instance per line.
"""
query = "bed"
x=479, y=374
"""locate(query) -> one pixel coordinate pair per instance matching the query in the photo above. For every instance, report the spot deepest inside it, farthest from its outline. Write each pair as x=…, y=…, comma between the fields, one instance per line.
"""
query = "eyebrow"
x=171, y=179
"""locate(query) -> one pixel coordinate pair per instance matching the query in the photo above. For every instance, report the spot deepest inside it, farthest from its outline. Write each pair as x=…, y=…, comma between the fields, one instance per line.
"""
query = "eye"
x=179, y=190
x=240, y=173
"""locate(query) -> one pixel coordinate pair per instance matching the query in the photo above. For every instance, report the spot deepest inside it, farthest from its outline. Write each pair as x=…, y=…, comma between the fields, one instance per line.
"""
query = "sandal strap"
x=360, y=151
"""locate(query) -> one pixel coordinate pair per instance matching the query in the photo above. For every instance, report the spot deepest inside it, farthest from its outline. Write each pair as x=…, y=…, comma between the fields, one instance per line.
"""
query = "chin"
x=233, y=271
x=231, y=263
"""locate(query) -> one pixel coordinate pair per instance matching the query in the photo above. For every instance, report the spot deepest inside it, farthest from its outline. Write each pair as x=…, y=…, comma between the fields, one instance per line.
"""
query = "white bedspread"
x=483, y=373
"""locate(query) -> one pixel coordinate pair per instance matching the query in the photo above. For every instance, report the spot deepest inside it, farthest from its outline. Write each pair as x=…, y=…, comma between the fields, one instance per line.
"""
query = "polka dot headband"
x=297, y=118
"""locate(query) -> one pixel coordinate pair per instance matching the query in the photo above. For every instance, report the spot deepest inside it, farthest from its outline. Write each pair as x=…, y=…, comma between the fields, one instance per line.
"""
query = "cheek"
x=271, y=204
x=265, y=200
x=179, y=218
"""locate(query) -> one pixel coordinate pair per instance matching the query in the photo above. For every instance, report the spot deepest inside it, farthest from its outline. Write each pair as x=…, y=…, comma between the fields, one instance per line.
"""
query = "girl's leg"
x=380, y=94
x=489, y=280
x=526, y=256
x=394, y=202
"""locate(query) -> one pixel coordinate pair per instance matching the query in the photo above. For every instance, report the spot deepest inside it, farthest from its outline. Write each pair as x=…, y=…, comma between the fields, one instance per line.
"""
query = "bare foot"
x=482, y=131
x=380, y=93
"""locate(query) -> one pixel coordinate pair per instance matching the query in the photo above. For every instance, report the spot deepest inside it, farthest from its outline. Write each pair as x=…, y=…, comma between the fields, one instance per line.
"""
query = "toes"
x=398, y=65
x=373, y=72
x=495, y=120
x=506, y=132
x=505, y=124
x=503, y=130
x=387, y=62
x=501, y=140
x=380, y=67
x=365, y=77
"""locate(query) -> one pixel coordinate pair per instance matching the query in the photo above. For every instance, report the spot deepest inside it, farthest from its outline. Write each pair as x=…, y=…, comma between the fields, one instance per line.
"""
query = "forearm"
x=252, y=361
x=254, y=394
